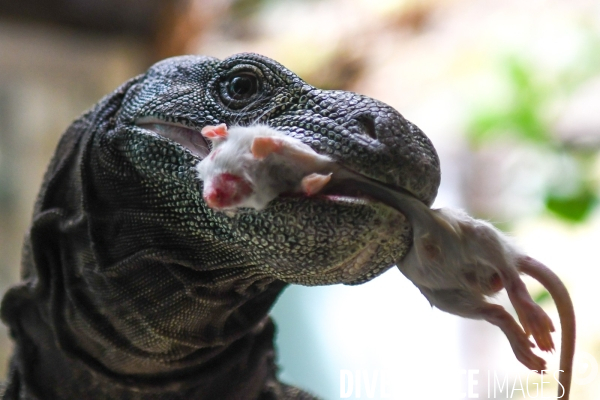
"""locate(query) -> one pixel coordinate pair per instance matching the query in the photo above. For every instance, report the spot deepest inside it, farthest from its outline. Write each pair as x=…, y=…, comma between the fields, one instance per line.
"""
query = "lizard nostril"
x=367, y=126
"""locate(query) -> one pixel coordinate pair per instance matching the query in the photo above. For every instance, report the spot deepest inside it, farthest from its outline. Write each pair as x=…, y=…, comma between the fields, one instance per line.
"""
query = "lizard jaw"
x=192, y=140
x=186, y=136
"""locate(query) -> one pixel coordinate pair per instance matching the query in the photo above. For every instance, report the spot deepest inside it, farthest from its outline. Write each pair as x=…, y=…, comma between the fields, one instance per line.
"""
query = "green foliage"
x=523, y=119
x=522, y=116
x=574, y=208
x=541, y=297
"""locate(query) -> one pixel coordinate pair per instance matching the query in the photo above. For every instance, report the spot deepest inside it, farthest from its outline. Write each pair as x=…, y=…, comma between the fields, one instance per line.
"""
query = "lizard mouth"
x=338, y=191
x=350, y=184
x=192, y=140
x=188, y=137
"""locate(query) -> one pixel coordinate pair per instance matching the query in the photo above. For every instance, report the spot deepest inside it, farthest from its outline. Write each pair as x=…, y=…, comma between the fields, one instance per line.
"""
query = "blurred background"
x=509, y=93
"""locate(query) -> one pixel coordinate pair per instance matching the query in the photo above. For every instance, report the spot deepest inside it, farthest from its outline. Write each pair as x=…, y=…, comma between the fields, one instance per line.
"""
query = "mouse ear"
x=262, y=146
x=215, y=132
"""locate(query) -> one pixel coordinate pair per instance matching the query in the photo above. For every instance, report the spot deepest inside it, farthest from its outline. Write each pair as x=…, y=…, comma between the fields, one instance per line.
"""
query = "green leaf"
x=522, y=117
x=574, y=208
x=541, y=296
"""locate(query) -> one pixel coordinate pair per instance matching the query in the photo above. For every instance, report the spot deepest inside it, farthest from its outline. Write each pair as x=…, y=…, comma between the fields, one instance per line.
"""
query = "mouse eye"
x=242, y=86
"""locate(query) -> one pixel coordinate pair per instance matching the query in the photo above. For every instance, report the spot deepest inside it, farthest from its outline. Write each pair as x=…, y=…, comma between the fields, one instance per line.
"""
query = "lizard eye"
x=242, y=86
x=239, y=89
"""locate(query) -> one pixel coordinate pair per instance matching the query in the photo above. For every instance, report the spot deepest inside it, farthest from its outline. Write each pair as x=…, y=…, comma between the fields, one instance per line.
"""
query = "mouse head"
x=225, y=191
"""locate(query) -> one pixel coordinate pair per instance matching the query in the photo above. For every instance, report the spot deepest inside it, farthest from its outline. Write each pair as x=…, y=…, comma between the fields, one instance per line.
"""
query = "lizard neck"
x=47, y=368
x=183, y=337
x=144, y=297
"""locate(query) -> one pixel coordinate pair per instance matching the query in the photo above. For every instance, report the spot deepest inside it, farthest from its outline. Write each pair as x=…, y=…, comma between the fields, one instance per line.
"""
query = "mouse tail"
x=566, y=314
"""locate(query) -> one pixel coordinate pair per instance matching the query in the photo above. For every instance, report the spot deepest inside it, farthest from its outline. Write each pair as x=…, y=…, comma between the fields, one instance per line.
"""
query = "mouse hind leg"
x=470, y=305
x=504, y=259
x=533, y=318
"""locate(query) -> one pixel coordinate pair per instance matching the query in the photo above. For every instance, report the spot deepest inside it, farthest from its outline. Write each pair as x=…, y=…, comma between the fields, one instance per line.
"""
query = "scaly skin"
x=134, y=289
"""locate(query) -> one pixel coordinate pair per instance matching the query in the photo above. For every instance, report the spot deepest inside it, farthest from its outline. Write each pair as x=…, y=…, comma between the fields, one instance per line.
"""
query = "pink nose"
x=226, y=191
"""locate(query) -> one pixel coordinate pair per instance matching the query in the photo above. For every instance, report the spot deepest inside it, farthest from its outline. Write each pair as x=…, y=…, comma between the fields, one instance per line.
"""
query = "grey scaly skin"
x=133, y=289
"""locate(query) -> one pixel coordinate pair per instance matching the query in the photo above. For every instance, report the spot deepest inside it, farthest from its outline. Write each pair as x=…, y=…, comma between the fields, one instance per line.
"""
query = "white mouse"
x=250, y=166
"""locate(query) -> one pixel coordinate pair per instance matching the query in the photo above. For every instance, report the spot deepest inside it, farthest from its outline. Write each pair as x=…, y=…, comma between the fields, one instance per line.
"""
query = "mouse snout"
x=226, y=190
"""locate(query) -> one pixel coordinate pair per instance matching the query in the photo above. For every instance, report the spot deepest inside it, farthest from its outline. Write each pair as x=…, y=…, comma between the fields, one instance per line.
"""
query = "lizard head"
x=298, y=240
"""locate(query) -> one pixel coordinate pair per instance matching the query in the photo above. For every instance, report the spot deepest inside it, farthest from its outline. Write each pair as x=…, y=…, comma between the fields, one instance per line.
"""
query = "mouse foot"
x=536, y=322
x=313, y=183
x=518, y=339
x=534, y=319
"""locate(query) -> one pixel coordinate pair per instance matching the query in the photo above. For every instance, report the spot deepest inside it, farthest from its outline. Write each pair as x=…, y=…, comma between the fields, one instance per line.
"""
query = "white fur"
x=276, y=174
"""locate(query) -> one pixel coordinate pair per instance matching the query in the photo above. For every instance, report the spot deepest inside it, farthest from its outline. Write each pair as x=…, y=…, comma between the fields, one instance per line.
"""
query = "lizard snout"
x=381, y=144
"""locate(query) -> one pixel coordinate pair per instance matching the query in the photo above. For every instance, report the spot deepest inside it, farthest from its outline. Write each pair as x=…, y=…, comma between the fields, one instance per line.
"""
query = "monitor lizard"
x=132, y=288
